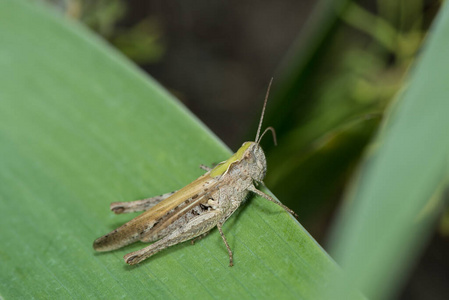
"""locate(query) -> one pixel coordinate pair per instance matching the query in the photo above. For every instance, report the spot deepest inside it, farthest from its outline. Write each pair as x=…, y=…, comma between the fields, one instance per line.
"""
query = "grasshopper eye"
x=259, y=163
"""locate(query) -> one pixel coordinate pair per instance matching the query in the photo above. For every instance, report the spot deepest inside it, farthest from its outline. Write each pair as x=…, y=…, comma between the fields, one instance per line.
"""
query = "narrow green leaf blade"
x=82, y=127
x=398, y=195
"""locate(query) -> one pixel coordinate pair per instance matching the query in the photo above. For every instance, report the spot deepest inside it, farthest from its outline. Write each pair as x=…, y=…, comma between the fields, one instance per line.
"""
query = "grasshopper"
x=191, y=212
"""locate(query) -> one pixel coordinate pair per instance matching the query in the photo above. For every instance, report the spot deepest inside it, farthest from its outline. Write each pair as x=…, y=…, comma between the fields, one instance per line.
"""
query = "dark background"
x=220, y=55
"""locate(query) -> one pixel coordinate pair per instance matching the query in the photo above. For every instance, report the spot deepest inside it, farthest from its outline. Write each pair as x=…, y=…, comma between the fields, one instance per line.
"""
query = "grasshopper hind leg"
x=138, y=205
x=193, y=241
x=195, y=227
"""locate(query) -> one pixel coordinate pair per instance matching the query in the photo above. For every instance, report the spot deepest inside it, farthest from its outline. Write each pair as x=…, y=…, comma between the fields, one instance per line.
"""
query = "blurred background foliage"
x=337, y=66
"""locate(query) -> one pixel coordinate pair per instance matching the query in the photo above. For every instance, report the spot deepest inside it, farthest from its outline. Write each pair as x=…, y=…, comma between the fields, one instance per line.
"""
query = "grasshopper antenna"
x=272, y=131
x=263, y=112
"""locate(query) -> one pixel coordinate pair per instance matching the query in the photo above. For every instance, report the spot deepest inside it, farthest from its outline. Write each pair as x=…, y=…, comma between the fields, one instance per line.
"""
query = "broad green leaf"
x=80, y=127
x=397, y=196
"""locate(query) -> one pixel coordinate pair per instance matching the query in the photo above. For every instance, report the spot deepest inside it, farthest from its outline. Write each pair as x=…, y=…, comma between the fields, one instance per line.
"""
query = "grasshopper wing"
x=160, y=216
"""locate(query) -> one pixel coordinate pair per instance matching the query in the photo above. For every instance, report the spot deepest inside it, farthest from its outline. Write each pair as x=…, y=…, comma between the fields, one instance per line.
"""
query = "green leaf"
x=394, y=203
x=82, y=127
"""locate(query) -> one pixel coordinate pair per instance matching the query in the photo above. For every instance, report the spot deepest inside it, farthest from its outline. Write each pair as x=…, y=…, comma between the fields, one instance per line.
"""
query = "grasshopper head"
x=257, y=163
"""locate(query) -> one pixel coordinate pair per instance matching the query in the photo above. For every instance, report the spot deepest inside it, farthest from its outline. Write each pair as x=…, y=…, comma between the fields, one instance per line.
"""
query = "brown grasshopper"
x=194, y=210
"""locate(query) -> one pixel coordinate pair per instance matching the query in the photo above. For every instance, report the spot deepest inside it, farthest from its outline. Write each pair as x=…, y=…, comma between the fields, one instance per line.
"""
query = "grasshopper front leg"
x=138, y=205
x=195, y=227
x=205, y=168
x=253, y=189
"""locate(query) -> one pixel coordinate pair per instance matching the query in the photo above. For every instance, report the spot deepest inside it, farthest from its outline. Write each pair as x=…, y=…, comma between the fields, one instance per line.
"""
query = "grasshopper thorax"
x=250, y=157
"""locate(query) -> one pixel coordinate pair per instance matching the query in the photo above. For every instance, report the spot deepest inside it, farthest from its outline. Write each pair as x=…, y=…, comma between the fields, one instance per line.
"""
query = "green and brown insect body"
x=194, y=210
